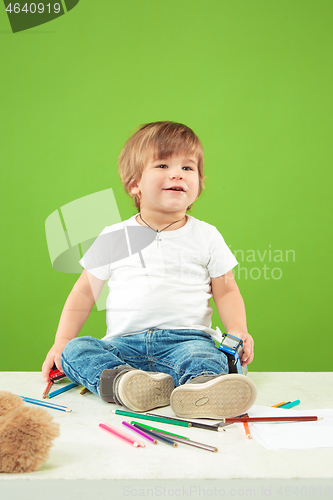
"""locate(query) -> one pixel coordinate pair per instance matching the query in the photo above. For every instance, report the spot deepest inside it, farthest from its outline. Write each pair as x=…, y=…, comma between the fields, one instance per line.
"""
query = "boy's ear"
x=134, y=188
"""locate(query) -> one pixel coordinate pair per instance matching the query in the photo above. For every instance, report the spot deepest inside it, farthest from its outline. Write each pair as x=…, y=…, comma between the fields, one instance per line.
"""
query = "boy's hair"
x=160, y=140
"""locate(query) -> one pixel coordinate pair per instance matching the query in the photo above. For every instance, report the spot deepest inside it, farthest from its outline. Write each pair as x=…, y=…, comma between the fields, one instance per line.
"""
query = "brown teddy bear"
x=26, y=434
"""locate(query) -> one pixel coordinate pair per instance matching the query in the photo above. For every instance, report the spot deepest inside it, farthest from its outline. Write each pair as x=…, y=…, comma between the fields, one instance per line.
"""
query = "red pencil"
x=47, y=390
x=269, y=419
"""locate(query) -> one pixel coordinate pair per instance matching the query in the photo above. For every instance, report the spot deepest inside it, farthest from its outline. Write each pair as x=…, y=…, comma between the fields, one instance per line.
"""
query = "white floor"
x=85, y=461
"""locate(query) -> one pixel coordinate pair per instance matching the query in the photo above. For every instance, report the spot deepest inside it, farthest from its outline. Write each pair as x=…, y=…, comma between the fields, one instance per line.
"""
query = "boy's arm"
x=75, y=312
x=231, y=309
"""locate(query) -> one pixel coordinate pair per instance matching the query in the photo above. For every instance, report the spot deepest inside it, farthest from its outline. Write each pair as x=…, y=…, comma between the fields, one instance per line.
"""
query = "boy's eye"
x=162, y=165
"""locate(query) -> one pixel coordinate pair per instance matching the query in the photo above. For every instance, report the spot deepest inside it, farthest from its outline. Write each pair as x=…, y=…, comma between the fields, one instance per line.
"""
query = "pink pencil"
x=143, y=434
x=121, y=435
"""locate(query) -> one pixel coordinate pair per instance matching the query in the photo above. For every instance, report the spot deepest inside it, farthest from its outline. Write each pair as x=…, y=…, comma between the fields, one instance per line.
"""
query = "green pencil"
x=154, y=419
x=159, y=430
x=158, y=436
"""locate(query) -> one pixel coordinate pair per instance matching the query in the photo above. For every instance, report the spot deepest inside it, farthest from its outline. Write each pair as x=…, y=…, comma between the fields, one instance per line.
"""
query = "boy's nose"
x=176, y=173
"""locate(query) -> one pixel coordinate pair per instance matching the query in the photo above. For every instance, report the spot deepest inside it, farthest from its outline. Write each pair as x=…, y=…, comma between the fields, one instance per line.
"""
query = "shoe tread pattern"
x=142, y=392
x=226, y=398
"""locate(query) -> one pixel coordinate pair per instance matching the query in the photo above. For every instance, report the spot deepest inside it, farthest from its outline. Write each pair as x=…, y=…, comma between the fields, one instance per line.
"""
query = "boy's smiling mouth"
x=175, y=188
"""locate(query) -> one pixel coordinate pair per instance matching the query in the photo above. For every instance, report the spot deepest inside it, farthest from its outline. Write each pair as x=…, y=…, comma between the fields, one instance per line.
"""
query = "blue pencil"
x=44, y=403
x=291, y=404
x=156, y=436
x=63, y=389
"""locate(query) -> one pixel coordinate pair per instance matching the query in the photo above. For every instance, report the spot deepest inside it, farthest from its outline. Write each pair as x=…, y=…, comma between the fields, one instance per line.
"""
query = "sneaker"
x=223, y=396
x=136, y=389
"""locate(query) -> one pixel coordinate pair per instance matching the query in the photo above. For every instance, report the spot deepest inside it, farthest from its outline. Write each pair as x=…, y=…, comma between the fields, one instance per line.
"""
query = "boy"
x=159, y=348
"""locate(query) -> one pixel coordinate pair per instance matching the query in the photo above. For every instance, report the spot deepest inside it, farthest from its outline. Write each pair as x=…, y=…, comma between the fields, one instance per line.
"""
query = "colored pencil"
x=272, y=419
x=180, y=439
x=207, y=427
x=189, y=442
x=149, y=427
x=279, y=404
x=170, y=418
x=44, y=403
x=291, y=404
x=247, y=430
x=143, y=434
x=199, y=425
x=220, y=425
x=84, y=390
x=149, y=417
x=61, y=390
x=157, y=436
x=47, y=389
x=121, y=435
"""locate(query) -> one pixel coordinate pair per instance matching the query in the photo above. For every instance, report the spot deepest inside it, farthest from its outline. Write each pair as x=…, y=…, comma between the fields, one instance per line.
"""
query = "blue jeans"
x=183, y=354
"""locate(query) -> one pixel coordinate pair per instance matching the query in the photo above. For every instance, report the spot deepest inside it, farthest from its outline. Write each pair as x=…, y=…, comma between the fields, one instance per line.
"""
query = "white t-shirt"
x=166, y=285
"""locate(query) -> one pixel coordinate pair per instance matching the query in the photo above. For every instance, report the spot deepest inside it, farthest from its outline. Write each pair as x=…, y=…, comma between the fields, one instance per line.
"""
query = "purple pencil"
x=143, y=434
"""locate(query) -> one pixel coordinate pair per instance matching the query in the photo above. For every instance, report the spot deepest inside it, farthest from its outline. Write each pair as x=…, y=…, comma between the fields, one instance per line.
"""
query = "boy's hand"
x=76, y=310
x=53, y=357
x=230, y=306
x=248, y=344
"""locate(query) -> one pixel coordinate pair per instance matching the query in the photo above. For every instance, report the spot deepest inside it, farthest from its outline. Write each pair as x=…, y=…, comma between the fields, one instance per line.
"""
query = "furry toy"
x=26, y=434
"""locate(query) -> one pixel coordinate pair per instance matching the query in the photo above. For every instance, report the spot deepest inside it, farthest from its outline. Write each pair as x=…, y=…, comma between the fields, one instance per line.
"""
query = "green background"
x=253, y=78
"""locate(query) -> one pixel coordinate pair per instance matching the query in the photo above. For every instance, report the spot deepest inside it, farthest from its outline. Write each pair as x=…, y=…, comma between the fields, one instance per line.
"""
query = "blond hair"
x=160, y=140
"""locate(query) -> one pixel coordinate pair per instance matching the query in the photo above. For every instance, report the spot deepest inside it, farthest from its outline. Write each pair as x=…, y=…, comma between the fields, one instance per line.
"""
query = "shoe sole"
x=223, y=397
x=143, y=391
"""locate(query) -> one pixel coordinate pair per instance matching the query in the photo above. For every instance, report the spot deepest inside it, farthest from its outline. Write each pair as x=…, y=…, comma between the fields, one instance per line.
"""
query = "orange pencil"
x=247, y=430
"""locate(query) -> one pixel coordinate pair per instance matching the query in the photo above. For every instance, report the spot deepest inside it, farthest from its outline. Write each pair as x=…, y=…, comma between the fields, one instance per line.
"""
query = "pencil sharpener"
x=233, y=348
x=56, y=374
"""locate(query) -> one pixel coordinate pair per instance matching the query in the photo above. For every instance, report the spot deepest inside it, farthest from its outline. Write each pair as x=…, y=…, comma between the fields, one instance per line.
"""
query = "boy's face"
x=168, y=185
